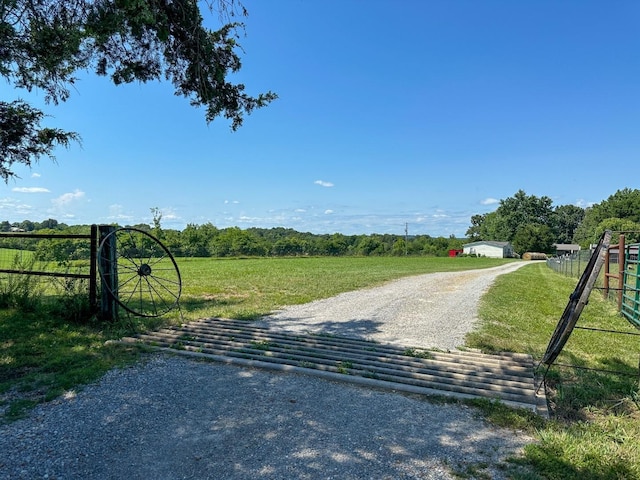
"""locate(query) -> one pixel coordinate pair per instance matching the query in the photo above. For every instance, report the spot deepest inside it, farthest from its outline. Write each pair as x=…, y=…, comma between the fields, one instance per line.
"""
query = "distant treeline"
x=209, y=241
x=533, y=224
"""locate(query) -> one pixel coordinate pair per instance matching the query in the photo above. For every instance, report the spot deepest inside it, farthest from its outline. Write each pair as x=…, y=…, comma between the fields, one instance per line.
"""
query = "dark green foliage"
x=623, y=205
x=512, y=214
x=529, y=222
x=474, y=232
x=209, y=241
x=630, y=228
x=531, y=237
x=523, y=216
x=43, y=43
x=567, y=218
x=523, y=209
x=22, y=140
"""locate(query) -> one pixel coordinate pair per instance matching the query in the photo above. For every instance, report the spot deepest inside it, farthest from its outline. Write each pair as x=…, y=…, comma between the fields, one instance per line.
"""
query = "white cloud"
x=584, y=204
x=322, y=183
x=300, y=210
x=489, y=201
x=328, y=212
x=13, y=207
x=30, y=190
x=35, y=175
x=67, y=198
x=169, y=214
x=235, y=202
x=248, y=219
x=116, y=212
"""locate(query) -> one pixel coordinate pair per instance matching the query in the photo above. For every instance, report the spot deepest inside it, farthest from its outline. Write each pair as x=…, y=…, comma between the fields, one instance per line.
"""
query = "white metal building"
x=487, y=248
x=564, y=248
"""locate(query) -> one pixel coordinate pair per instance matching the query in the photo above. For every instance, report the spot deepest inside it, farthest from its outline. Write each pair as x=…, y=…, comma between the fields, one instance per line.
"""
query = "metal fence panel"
x=630, y=307
x=50, y=257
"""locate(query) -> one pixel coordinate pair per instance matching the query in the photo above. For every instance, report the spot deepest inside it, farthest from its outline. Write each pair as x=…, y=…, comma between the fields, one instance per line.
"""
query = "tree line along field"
x=209, y=241
x=529, y=223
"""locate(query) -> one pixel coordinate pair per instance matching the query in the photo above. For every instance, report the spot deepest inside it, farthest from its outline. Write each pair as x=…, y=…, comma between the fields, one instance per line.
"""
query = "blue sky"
x=391, y=113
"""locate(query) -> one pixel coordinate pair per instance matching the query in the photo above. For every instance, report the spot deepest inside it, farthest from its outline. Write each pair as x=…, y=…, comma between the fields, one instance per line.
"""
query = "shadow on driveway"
x=179, y=418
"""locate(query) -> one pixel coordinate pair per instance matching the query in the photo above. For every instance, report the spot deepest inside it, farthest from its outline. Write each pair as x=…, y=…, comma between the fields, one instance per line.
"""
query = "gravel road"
x=175, y=418
x=435, y=310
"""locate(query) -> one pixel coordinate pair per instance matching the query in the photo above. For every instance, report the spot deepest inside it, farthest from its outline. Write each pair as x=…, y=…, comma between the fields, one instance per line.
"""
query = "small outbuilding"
x=490, y=249
x=566, y=248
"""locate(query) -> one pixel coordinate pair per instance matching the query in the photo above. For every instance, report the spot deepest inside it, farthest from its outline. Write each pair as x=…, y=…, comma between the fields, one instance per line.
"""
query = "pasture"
x=251, y=287
x=48, y=347
x=596, y=421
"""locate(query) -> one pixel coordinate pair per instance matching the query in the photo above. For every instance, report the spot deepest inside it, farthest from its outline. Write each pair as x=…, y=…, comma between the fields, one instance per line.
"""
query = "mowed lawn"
x=43, y=353
x=595, y=426
x=252, y=287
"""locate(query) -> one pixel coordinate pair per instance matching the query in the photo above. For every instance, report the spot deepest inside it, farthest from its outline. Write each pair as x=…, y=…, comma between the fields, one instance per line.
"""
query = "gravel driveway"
x=175, y=418
x=435, y=310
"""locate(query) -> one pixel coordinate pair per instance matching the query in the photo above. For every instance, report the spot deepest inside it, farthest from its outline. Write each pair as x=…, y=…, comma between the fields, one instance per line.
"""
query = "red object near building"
x=455, y=253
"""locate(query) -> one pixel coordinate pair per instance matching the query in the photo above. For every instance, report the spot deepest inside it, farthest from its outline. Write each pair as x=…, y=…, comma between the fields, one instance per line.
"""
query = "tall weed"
x=21, y=291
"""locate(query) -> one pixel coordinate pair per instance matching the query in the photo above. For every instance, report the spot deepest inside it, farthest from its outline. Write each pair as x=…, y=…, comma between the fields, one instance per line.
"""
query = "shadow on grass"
x=193, y=304
x=596, y=421
x=575, y=386
x=43, y=356
x=209, y=306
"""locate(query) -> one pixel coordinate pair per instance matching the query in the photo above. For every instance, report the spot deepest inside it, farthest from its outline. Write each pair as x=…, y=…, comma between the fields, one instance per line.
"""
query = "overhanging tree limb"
x=43, y=44
x=22, y=139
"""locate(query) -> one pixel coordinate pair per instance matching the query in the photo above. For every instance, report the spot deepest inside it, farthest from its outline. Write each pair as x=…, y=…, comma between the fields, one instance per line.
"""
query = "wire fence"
x=48, y=263
x=610, y=280
x=570, y=264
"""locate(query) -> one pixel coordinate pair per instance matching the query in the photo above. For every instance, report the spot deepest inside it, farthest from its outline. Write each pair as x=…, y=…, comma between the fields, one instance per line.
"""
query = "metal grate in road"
x=508, y=378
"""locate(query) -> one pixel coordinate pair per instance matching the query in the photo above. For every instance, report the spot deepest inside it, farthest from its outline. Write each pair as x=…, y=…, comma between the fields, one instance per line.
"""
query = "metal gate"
x=630, y=307
x=45, y=270
x=137, y=272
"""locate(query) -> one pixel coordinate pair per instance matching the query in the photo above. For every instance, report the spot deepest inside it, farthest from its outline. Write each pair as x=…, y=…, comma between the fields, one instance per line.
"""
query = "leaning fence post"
x=607, y=269
x=108, y=307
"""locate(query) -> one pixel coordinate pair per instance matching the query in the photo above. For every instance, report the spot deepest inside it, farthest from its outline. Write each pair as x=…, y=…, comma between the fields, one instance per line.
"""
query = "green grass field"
x=595, y=423
x=42, y=355
x=249, y=288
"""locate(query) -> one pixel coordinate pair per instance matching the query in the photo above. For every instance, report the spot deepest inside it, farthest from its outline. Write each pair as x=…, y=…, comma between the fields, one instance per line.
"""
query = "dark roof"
x=566, y=246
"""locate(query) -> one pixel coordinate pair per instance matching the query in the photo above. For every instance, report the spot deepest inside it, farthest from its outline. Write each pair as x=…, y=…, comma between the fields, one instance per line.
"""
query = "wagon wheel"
x=144, y=279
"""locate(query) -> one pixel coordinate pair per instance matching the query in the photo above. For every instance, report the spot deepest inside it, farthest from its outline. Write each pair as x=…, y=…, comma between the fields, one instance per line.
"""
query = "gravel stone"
x=176, y=418
x=435, y=310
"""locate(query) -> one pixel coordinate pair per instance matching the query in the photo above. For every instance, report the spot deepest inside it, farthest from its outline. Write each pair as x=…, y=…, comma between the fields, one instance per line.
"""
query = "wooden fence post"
x=108, y=305
x=93, y=269
x=622, y=265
